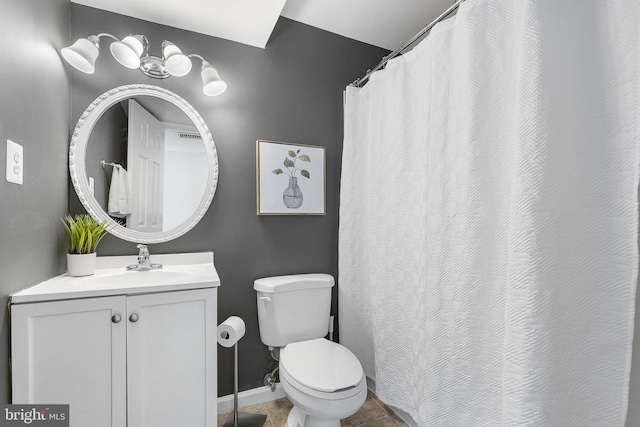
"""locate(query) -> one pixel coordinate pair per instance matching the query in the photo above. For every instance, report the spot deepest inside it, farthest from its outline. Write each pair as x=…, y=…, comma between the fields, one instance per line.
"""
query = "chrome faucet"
x=144, y=261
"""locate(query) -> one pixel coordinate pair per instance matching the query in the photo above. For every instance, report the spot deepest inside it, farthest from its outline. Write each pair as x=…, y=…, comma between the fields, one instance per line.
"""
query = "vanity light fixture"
x=133, y=52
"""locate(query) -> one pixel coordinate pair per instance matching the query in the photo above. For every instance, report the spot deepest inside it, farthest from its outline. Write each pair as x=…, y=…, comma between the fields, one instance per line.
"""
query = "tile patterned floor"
x=372, y=414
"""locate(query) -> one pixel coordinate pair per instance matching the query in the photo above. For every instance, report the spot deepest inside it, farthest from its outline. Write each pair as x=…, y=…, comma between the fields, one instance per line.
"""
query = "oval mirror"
x=143, y=160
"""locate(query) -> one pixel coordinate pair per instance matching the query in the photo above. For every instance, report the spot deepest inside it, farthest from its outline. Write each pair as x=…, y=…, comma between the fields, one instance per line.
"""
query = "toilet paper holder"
x=237, y=419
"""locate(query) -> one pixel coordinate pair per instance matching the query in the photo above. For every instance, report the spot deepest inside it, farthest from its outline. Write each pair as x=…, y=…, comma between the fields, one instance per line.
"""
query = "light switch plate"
x=14, y=162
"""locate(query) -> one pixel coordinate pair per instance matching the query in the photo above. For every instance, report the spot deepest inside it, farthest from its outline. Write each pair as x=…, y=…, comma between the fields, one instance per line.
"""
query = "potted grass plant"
x=84, y=235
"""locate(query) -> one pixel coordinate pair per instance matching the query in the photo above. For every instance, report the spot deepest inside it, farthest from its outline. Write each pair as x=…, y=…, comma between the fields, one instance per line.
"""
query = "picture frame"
x=290, y=178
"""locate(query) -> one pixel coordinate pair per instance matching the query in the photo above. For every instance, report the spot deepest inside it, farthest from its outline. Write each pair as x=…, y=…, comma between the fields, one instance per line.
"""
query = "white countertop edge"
x=46, y=297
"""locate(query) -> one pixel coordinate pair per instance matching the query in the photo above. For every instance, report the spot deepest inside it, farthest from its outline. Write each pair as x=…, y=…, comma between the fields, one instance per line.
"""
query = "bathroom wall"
x=34, y=112
x=633, y=412
x=292, y=92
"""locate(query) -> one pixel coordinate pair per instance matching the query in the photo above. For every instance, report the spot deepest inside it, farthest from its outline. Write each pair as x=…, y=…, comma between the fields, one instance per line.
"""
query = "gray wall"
x=34, y=112
x=633, y=412
x=291, y=91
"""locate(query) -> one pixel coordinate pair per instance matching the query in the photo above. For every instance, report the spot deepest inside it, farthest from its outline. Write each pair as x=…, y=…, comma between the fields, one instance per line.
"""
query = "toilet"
x=324, y=380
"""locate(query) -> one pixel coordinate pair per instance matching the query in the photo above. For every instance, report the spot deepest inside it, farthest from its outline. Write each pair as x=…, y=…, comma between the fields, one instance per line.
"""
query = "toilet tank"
x=293, y=308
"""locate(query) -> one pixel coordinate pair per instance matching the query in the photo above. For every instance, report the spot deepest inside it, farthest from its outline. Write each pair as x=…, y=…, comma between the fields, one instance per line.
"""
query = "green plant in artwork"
x=290, y=162
x=84, y=233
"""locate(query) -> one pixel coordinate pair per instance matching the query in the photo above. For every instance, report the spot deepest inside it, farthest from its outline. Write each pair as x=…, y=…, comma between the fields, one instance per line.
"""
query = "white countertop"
x=179, y=272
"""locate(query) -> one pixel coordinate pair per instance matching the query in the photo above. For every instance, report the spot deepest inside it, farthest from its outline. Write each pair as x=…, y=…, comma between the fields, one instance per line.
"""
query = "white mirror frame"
x=78, y=172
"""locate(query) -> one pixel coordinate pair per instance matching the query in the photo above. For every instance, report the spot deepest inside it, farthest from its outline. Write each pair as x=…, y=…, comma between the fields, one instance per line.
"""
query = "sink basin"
x=179, y=272
x=119, y=278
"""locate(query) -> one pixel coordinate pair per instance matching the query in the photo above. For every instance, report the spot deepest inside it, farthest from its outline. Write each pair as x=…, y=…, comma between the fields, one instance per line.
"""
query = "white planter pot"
x=81, y=264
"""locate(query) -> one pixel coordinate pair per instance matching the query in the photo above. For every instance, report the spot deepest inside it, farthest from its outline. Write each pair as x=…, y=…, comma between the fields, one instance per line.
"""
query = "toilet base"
x=297, y=418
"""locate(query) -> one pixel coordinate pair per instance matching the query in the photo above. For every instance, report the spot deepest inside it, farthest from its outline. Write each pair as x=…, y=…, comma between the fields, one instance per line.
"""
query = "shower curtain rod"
x=398, y=51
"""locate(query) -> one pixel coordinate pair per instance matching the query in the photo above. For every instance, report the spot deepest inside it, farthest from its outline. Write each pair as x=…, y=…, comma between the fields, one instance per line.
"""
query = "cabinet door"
x=171, y=359
x=72, y=352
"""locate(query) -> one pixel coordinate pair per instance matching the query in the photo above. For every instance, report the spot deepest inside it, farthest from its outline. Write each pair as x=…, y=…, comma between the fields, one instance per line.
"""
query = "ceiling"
x=384, y=23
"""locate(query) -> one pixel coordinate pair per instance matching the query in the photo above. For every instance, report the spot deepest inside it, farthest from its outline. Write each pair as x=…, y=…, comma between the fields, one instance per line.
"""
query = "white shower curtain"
x=488, y=217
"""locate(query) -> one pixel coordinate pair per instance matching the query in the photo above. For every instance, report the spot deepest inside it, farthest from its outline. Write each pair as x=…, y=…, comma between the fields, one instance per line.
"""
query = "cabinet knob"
x=133, y=318
x=116, y=318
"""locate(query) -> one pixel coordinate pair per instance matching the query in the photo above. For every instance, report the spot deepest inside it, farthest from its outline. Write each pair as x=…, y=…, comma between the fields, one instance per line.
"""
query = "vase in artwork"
x=292, y=196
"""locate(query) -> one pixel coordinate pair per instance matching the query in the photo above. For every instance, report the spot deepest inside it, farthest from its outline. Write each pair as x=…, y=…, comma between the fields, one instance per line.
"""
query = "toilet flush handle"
x=265, y=299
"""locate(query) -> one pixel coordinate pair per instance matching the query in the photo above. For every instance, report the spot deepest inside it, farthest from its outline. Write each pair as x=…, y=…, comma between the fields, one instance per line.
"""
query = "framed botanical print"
x=290, y=179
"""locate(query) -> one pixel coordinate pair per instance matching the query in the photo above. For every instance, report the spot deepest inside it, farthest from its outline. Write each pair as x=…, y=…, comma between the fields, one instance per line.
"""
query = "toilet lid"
x=321, y=365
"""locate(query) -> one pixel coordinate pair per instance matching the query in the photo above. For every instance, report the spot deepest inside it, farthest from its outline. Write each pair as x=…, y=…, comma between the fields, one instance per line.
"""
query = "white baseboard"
x=404, y=416
x=371, y=385
x=249, y=398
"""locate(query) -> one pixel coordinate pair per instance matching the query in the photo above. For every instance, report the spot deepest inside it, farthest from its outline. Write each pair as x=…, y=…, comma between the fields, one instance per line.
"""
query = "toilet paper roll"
x=230, y=331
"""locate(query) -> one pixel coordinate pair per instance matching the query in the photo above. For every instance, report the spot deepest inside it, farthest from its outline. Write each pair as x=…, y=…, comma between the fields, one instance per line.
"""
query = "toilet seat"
x=287, y=381
x=321, y=368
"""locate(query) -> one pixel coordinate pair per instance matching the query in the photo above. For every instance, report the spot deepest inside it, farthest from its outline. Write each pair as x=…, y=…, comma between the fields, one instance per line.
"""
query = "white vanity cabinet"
x=125, y=355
